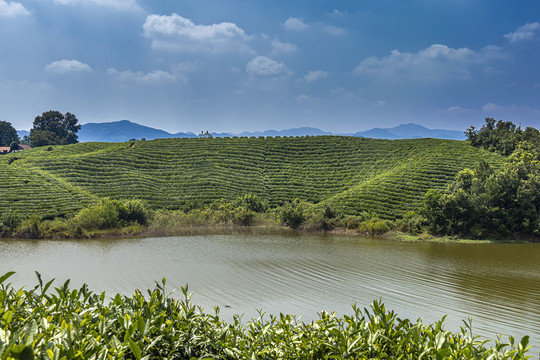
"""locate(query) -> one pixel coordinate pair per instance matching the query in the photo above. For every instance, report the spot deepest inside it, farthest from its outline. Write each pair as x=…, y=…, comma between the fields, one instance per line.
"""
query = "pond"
x=498, y=285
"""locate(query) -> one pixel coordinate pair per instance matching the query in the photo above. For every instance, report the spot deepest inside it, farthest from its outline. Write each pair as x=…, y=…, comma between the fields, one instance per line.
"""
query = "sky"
x=239, y=65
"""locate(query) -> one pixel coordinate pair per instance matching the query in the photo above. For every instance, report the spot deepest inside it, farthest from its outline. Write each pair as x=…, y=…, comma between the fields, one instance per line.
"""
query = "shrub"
x=243, y=216
x=31, y=227
x=292, y=214
x=412, y=223
x=134, y=211
x=318, y=222
x=11, y=219
x=375, y=226
x=254, y=203
x=112, y=213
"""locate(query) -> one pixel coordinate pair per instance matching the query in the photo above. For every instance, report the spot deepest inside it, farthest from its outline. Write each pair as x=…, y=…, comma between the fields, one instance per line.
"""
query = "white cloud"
x=174, y=32
x=263, y=66
x=456, y=109
x=283, y=47
x=112, y=4
x=491, y=107
x=12, y=9
x=528, y=31
x=340, y=13
x=154, y=77
x=315, y=75
x=295, y=24
x=435, y=63
x=67, y=66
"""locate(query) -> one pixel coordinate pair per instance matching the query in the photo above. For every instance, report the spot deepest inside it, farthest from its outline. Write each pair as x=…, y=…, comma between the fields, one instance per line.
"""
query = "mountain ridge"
x=125, y=130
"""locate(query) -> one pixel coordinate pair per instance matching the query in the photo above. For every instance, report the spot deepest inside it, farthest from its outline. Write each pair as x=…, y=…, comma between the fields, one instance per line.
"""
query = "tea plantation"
x=385, y=177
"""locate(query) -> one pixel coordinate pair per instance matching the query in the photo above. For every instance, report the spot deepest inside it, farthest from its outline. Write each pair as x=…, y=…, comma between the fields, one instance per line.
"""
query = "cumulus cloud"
x=315, y=75
x=528, y=31
x=174, y=32
x=293, y=23
x=12, y=9
x=283, y=47
x=154, y=77
x=491, y=107
x=264, y=66
x=437, y=62
x=113, y=4
x=67, y=66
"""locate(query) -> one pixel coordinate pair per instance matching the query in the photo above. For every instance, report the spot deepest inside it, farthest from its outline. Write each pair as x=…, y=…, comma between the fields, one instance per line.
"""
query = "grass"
x=351, y=175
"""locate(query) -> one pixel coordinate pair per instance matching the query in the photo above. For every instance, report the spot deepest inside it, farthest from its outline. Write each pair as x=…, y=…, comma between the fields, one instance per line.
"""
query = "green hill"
x=387, y=177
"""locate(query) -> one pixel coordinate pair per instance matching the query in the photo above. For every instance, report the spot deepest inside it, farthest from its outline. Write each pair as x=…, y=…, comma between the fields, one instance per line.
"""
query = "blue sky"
x=235, y=65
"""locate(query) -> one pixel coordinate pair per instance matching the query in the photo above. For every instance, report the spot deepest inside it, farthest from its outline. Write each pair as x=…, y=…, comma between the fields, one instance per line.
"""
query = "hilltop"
x=350, y=174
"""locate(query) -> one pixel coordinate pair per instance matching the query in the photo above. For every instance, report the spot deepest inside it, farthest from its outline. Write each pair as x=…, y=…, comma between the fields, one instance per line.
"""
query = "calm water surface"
x=497, y=284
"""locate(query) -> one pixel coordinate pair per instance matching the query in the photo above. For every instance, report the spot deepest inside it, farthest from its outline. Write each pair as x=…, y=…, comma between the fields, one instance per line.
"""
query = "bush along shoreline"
x=67, y=323
x=110, y=218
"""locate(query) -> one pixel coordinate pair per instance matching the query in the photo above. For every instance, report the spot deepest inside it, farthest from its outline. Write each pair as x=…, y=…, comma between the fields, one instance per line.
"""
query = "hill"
x=387, y=177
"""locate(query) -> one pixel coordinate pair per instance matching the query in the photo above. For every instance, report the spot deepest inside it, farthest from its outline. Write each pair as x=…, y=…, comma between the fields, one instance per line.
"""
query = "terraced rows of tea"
x=387, y=177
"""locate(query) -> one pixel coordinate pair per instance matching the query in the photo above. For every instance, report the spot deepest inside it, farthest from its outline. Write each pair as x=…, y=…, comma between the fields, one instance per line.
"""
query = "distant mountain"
x=411, y=131
x=22, y=133
x=302, y=131
x=124, y=130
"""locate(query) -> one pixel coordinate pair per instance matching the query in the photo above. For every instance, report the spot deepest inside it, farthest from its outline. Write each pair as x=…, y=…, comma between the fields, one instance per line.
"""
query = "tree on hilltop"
x=8, y=134
x=54, y=128
x=501, y=136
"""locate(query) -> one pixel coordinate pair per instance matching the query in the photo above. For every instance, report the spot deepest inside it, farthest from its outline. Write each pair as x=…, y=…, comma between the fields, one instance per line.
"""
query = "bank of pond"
x=76, y=323
x=121, y=218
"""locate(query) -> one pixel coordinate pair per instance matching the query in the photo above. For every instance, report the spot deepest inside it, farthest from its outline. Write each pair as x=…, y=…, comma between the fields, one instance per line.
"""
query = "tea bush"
x=79, y=324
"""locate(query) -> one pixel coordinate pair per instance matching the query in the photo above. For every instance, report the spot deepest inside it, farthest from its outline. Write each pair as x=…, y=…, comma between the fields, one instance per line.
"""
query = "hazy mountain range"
x=124, y=130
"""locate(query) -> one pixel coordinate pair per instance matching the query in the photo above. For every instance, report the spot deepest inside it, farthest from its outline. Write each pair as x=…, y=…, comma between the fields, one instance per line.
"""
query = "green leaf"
x=135, y=349
x=6, y=276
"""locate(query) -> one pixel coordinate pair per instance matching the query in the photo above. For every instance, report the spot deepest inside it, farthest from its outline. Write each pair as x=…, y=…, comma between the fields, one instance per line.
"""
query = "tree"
x=54, y=128
x=501, y=136
x=8, y=134
x=14, y=146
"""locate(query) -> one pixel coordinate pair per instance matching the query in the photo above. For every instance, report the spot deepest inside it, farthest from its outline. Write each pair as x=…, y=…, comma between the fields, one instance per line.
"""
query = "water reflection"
x=498, y=284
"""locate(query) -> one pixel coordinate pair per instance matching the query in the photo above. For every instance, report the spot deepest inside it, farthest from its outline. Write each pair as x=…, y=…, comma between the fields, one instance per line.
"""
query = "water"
x=497, y=284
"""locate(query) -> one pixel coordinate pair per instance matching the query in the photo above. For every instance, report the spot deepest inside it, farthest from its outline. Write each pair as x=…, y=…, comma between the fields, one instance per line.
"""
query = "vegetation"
x=8, y=134
x=320, y=183
x=501, y=136
x=79, y=324
x=492, y=202
x=352, y=176
x=54, y=128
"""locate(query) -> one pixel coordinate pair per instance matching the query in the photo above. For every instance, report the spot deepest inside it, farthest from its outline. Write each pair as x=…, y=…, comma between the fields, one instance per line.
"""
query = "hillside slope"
x=387, y=177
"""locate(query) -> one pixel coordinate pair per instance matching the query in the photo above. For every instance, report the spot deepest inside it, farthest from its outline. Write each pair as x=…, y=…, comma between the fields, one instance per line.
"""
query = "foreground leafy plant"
x=80, y=324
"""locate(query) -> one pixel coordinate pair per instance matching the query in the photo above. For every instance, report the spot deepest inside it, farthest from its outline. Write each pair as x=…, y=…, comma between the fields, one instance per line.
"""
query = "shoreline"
x=266, y=229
